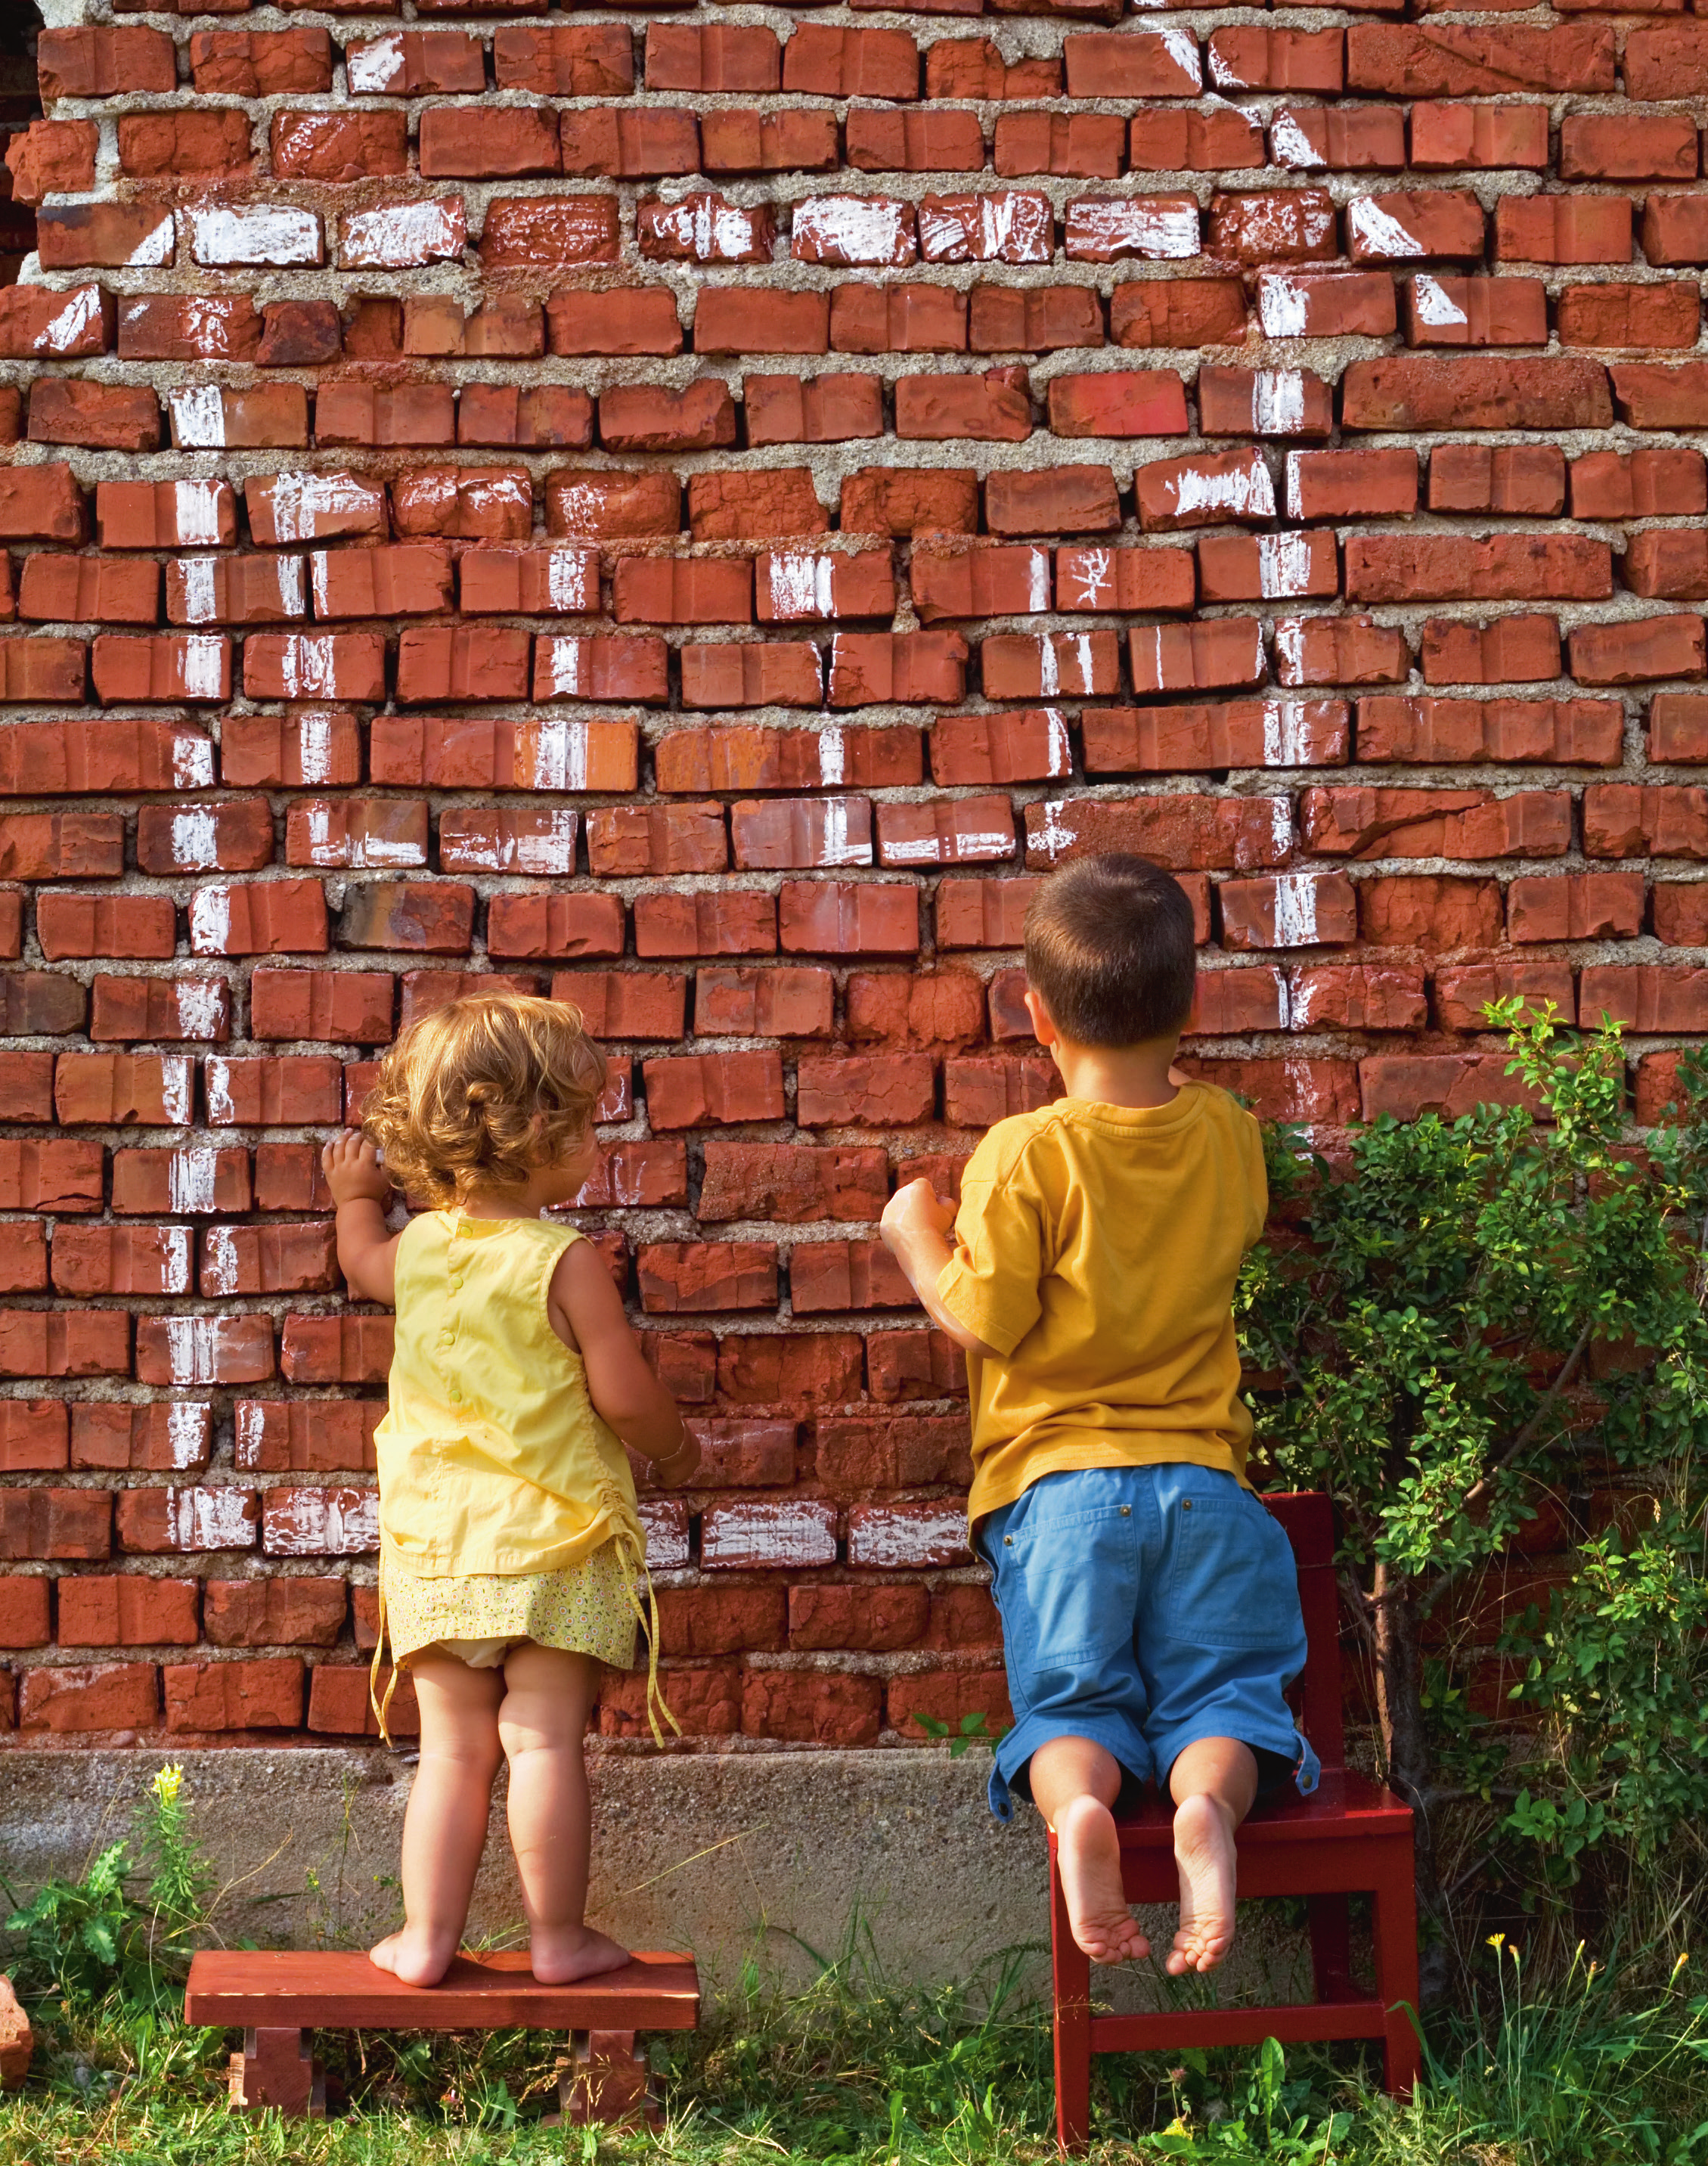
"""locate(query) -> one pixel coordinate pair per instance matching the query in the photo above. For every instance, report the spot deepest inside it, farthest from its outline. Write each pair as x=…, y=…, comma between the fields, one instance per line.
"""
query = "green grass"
x=848, y=2071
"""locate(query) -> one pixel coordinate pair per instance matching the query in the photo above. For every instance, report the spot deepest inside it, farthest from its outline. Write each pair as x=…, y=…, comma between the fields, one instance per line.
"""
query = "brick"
x=1511, y=650
x=979, y=582
x=743, y=140
x=90, y=1696
x=1360, y=139
x=1406, y=393
x=128, y=1611
x=1445, y=311
x=1668, y=62
x=1575, y=906
x=1383, y=823
x=1526, y=479
x=742, y=922
x=1504, y=568
x=1242, y=733
x=1086, y=146
x=720, y=57
x=1324, y=304
x=901, y=500
x=1580, y=229
x=263, y=1612
x=1455, y=137
x=975, y=68
x=1037, y=319
x=1179, y=312
x=903, y=667
x=1072, y=664
x=914, y=141
x=1638, y=650
x=90, y=236
x=628, y=142
x=1451, y=61
x=759, y=1534
x=1623, y=820
x=754, y=505
x=24, y=1619
x=1616, y=315
x=51, y=155
x=591, y=59
x=1179, y=139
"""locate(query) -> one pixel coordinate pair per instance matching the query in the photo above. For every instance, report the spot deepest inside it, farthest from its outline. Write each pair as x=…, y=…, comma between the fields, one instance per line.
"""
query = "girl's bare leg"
x=1075, y=1783
x=1214, y=1784
x=541, y=1721
x=445, y=1827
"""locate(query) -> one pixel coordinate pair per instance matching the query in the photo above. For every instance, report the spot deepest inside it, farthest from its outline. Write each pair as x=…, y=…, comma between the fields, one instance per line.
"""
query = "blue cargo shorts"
x=1146, y=1608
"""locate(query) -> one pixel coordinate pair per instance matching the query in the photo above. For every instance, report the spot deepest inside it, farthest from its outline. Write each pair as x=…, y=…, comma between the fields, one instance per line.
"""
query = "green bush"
x=1462, y=1321
x=78, y=1941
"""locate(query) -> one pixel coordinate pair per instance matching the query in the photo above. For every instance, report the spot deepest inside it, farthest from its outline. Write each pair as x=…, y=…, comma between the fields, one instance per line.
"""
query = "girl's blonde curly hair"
x=482, y=1093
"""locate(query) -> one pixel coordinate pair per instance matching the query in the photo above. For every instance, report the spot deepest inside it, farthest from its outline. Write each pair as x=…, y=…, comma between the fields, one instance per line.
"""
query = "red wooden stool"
x=1350, y=1836
x=277, y=1999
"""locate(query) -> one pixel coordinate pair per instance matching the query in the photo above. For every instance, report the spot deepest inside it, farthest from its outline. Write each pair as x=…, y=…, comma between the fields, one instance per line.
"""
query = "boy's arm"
x=367, y=1254
x=625, y=1393
x=915, y=1230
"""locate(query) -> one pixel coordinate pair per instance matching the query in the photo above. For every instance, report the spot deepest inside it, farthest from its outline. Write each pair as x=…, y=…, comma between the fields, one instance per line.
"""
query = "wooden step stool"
x=1350, y=1836
x=279, y=2000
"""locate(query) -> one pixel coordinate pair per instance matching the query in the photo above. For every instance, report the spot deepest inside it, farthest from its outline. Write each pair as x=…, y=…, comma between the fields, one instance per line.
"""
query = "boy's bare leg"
x=1213, y=1783
x=547, y=1694
x=1074, y=1784
x=445, y=1826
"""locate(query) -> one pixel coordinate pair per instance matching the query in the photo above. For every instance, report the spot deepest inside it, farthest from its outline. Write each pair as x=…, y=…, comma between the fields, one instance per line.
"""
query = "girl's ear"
x=1043, y=1023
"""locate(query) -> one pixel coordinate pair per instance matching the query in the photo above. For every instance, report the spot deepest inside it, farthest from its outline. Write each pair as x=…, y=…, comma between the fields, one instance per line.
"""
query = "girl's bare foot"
x=412, y=1957
x=1203, y=1851
x=1087, y=1850
x=559, y=1957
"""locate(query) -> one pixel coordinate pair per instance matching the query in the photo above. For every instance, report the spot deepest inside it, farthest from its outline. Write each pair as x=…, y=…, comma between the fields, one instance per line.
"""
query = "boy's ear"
x=1043, y=1023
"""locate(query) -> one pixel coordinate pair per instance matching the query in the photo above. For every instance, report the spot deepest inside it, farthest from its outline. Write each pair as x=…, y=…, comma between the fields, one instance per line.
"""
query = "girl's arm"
x=625, y=1393
x=368, y=1255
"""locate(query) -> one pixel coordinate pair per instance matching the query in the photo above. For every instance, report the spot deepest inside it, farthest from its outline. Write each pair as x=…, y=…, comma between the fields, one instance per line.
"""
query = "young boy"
x=1150, y=1607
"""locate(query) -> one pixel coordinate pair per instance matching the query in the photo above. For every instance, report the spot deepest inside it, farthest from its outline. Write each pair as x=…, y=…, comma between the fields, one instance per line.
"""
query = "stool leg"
x=1396, y=1970
x=1330, y=1923
x=277, y=2068
x=606, y=2081
x=1070, y=1979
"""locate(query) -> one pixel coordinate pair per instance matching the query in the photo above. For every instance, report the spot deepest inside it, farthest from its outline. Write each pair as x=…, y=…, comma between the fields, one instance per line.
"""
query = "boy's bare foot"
x=1204, y=1850
x=560, y=1958
x=412, y=1957
x=1089, y=1852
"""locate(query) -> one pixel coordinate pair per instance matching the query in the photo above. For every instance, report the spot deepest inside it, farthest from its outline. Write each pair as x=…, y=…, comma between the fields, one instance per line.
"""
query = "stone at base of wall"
x=894, y=1854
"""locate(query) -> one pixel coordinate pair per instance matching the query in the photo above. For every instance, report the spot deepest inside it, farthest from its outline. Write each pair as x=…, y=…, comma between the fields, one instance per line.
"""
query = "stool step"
x=1291, y=2024
x=301, y=1989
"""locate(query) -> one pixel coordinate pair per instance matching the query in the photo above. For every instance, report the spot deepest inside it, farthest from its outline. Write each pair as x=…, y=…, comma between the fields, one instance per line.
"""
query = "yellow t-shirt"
x=1096, y=1250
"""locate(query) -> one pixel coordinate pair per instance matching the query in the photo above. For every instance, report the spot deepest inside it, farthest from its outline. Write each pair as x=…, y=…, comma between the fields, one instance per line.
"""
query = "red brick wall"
x=697, y=514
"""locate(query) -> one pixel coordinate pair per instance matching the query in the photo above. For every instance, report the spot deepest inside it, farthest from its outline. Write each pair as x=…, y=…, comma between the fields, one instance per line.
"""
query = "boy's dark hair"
x=1111, y=950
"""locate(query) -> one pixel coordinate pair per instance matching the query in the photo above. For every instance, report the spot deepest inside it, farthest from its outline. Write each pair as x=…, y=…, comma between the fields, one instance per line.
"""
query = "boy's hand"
x=913, y=1211
x=352, y=1168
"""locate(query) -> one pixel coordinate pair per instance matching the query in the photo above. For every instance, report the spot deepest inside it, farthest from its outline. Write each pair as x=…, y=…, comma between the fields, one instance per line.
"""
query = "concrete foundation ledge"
x=732, y=1855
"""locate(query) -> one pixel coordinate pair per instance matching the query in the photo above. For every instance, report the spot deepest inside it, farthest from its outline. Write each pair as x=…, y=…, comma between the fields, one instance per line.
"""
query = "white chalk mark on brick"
x=252, y=234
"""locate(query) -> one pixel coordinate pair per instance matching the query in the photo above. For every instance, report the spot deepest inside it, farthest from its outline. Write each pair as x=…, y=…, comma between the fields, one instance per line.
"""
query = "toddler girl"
x=511, y=1556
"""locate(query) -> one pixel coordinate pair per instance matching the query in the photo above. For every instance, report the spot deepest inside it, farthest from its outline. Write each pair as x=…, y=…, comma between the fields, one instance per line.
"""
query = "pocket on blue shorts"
x=1231, y=1583
x=1068, y=1584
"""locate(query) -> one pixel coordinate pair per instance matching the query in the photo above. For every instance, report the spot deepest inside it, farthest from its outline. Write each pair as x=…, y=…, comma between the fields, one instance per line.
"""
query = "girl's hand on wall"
x=678, y=1467
x=353, y=1170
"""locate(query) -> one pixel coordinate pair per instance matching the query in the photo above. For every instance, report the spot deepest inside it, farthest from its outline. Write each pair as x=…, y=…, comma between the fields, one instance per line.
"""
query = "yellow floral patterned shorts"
x=479, y=1616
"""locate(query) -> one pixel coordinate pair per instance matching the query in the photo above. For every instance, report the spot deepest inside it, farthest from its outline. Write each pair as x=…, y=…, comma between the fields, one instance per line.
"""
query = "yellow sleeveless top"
x=491, y=1456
